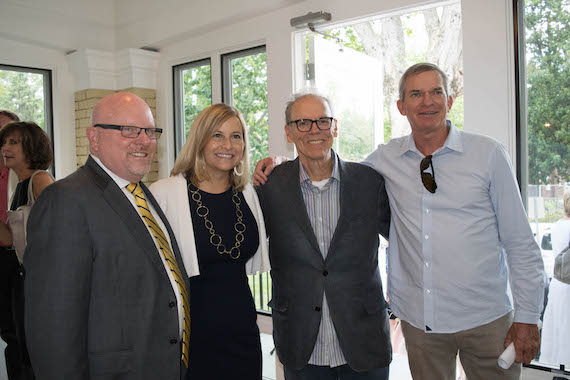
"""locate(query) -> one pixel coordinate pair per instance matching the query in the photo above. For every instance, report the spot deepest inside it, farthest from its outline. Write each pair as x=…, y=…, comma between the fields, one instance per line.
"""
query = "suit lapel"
x=115, y=197
x=347, y=190
x=296, y=202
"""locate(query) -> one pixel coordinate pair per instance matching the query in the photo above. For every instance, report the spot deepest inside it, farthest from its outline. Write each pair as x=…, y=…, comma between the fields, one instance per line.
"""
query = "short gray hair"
x=419, y=68
x=300, y=95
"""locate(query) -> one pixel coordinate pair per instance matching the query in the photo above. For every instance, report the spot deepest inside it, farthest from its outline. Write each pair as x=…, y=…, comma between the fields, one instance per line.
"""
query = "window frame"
x=178, y=97
x=521, y=130
x=226, y=69
x=48, y=99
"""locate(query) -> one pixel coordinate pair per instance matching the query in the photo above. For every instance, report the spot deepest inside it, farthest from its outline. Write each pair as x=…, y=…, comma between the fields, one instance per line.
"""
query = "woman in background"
x=26, y=150
x=217, y=220
x=555, y=346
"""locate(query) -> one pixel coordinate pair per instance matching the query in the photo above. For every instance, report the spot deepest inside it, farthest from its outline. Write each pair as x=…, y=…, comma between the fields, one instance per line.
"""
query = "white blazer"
x=172, y=195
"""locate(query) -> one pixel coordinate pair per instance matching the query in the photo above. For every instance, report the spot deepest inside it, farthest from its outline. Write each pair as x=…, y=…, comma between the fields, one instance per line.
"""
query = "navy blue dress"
x=224, y=338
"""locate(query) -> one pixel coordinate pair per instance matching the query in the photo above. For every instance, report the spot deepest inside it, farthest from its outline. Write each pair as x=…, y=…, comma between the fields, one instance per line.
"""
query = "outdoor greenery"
x=432, y=35
x=22, y=93
x=548, y=77
x=197, y=84
x=249, y=95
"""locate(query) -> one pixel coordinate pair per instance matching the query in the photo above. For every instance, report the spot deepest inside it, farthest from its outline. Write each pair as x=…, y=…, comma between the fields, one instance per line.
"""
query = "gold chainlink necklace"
x=215, y=239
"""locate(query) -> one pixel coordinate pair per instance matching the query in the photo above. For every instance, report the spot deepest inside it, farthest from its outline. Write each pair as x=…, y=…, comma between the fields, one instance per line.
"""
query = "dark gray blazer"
x=349, y=275
x=99, y=303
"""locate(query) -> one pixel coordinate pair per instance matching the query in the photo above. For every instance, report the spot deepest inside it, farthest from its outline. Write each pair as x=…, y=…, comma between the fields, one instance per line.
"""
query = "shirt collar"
x=454, y=141
x=304, y=177
x=122, y=183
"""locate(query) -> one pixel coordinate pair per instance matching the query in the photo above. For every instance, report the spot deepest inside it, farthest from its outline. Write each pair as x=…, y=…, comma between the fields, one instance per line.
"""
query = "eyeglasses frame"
x=296, y=122
x=121, y=127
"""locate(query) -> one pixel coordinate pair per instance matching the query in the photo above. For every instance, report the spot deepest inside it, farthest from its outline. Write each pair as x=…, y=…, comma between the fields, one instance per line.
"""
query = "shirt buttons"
x=427, y=264
x=171, y=304
x=426, y=237
x=173, y=341
x=317, y=308
x=428, y=291
x=427, y=210
x=325, y=273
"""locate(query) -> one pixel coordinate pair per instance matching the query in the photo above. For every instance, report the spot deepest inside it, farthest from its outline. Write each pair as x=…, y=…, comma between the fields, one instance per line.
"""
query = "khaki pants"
x=433, y=356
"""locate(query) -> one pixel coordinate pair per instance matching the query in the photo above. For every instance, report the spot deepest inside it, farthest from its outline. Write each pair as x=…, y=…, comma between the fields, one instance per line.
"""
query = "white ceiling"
x=116, y=24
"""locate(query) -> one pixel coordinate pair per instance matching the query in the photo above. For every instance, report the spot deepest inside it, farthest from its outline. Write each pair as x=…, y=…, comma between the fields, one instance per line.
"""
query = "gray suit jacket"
x=99, y=303
x=349, y=275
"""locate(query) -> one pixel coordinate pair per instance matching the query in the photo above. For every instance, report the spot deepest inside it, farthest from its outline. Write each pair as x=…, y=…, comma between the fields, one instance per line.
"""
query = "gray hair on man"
x=299, y=95
x=419, y=68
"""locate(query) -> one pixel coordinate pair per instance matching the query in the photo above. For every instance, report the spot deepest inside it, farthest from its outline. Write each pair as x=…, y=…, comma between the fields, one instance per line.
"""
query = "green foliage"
x=548, y=71
x=348, y=37
x=197, y=84
x=356, y=136
x=22, y=93
x=456, y=114
x=249, y=93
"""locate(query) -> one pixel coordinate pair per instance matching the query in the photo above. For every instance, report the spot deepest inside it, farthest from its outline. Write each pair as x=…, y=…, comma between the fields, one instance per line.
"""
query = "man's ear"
x=335, y=128
x=401, y=108
x=288, y=134
x=449, y=102
x=93, y=137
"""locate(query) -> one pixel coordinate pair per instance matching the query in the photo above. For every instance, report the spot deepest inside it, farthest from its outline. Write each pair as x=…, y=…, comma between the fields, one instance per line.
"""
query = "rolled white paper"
x=507, y=358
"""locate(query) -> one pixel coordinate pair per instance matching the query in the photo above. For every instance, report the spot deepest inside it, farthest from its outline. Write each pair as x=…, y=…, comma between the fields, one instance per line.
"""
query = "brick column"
x=100, y=73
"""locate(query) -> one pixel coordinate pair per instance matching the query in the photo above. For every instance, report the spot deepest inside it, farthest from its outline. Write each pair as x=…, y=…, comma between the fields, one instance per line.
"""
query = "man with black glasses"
x=457, y=221
x=106, y=292
x=323, y=218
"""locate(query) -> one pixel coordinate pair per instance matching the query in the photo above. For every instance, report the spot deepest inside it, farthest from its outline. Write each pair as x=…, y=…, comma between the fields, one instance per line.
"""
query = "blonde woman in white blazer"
x=218, y=224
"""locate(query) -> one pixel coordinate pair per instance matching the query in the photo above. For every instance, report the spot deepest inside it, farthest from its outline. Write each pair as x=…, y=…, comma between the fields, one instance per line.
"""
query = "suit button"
x=317, y=308
x=171, y=304
x=325, y=273
x=173, y=341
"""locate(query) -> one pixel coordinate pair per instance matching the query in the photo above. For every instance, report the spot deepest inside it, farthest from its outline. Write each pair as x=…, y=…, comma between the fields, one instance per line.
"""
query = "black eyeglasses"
x=305, y=125
x=428, y=179
x=132, y=132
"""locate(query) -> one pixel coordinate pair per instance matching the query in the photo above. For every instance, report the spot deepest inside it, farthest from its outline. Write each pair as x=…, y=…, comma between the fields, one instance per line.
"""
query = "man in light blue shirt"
x=459, y=233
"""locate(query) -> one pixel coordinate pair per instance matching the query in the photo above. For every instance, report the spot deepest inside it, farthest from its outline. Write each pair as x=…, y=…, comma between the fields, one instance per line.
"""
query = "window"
x=543, y=129
x=27, y=92
x=244, y=86
x=192, y=93
x=358, y=67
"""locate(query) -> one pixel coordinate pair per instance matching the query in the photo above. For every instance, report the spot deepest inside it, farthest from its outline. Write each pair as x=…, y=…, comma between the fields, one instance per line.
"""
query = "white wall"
x=59, y=24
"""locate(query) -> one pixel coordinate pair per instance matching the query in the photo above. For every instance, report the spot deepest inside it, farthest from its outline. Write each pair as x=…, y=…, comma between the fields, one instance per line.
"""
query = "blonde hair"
x=190, y=161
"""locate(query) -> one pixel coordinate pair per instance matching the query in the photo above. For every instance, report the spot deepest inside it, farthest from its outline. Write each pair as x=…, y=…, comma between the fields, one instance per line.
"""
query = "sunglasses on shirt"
x=428, y=179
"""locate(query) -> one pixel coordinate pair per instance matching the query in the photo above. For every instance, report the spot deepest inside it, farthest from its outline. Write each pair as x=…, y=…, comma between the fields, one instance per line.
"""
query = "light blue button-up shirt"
x=448, y=254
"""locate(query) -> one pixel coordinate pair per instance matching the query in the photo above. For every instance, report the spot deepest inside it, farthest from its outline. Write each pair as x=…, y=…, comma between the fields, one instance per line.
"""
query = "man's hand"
x=527, y=341
x=264, y=167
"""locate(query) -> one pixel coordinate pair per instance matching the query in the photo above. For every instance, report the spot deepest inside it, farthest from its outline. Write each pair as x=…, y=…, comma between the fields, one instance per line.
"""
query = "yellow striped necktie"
x=136, y=190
